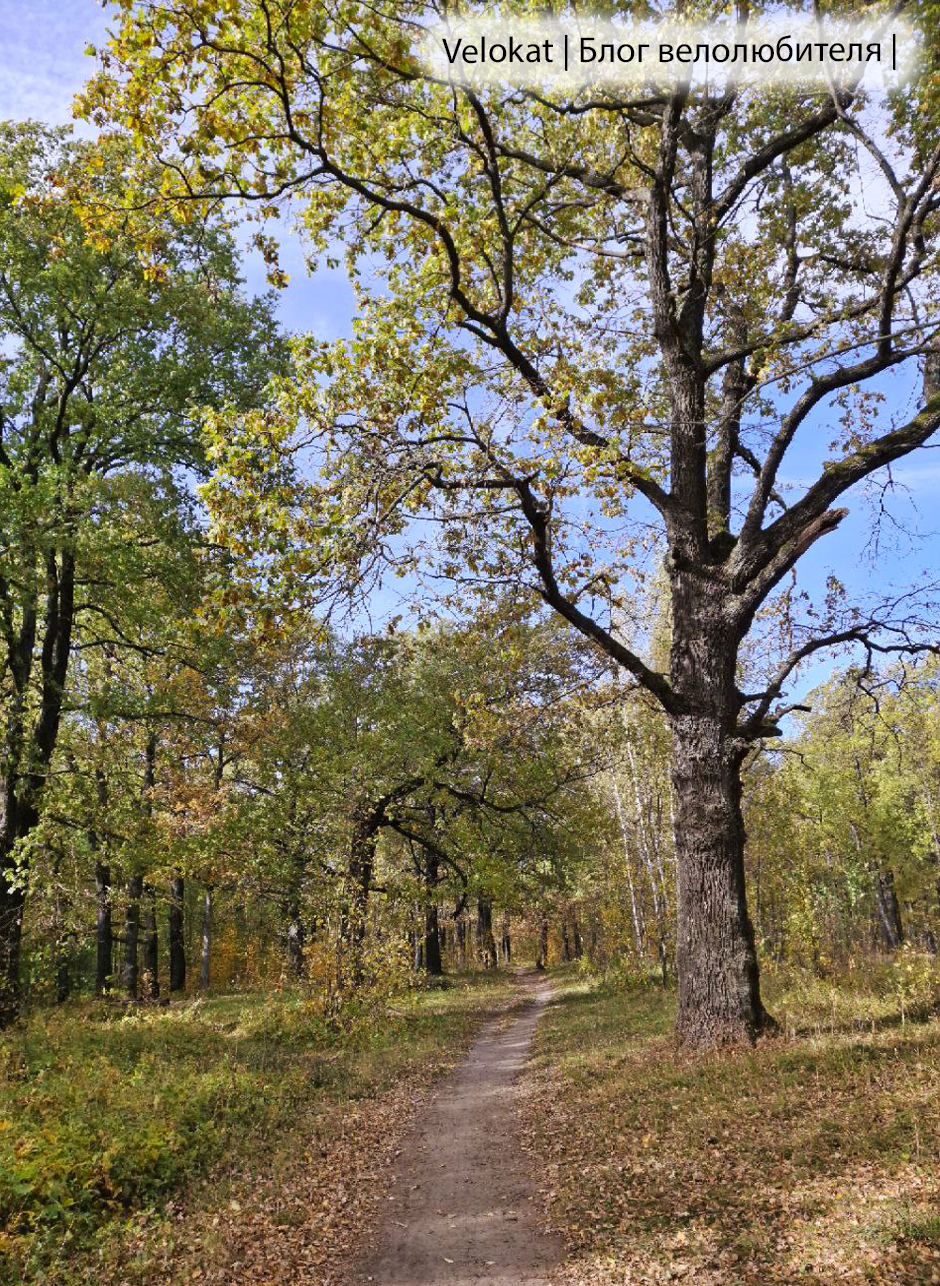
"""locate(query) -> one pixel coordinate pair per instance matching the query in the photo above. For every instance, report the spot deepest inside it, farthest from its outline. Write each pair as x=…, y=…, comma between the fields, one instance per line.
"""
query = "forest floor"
x=238, y=1141
x=814, y=1158
x=460, y=1207
x=229, y=1141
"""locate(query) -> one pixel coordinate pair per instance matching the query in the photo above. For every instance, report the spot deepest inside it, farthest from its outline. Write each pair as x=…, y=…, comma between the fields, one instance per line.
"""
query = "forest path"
x=461, y=1209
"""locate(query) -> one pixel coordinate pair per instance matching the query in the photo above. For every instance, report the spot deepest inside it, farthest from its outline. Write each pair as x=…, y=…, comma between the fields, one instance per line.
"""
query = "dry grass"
x=814, y=1158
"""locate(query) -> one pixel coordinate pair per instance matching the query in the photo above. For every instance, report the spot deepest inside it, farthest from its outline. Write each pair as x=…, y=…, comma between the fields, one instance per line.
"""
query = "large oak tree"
x=584, y=322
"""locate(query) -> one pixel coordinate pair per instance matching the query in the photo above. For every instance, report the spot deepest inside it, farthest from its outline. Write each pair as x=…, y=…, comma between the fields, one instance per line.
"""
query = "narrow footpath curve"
x=461, y=1208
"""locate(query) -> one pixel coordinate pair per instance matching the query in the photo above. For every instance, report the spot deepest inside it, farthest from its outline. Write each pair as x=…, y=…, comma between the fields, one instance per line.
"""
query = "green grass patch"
x=105, y=1113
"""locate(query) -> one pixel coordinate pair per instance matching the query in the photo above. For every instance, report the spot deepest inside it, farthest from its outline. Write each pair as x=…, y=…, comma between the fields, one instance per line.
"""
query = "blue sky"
x=42, y=65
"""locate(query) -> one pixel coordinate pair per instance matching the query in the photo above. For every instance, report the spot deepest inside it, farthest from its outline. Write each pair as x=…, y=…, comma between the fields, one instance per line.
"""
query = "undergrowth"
x=105, y=1113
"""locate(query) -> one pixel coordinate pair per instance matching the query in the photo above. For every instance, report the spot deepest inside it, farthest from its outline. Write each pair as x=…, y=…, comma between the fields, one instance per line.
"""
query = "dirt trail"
x=461, y=1207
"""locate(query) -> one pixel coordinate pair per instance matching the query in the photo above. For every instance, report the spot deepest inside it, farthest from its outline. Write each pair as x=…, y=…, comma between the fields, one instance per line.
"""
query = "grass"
x=124, y=1135
x=813, y=1158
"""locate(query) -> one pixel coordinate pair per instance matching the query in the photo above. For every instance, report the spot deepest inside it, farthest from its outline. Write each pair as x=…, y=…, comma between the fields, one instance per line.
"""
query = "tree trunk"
x=131, y=974
x=716, y=960
x=12, y=901
x=889, y=911
x=176, y=938
x=719, y=996
x=295, y=945
x=358, y=886
x=27, y=751
x=565, y=941
x=206, y=956
x=152, y=946
x=432, y=941
x=507, y=940
x=541, y=961
x=63, y=971
x=462, y=943
x=636, y=907
x=104, y=936
x=576, y=935
x=486, y=946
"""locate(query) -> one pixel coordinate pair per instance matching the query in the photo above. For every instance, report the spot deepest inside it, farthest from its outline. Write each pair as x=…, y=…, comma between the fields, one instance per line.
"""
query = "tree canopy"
x=587, y=328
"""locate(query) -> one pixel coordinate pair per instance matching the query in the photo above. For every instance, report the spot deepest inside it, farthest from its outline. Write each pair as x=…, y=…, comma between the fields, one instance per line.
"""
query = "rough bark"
x=719, y=995
x=719, y=998
x=541, y=960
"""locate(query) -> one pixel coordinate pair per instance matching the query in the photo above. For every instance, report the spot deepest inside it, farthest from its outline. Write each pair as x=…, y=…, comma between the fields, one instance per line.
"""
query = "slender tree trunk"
x=17, y=820
x=152, y=946
x=576, y=936
x=565, y=942
x=889, y=911
x=27, y=750
x=131, y=975
x=486, y=946
x=295, y=945
x=176, y=937
x=639, y=928
x=542, y=958
x=719, y=993
x=461, y=943
x=295, y=927
x=63, y=972
x=104, y=933
x=432, y=942
x=507, y=940
x=206, y=955
x=358, y=887
x=12, y=902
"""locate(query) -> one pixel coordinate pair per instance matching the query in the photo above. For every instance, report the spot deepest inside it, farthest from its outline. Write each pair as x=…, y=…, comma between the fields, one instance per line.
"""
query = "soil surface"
x=461, y=1207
